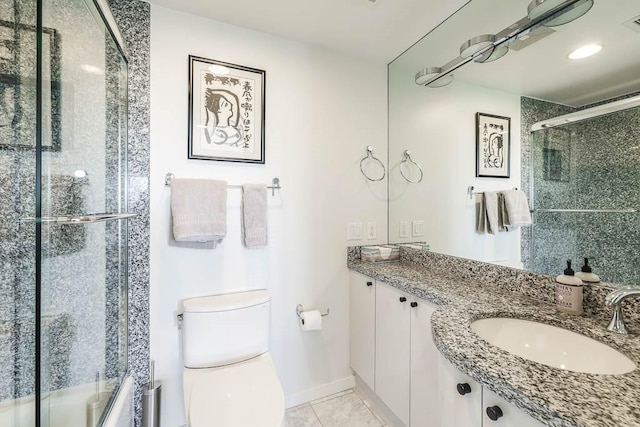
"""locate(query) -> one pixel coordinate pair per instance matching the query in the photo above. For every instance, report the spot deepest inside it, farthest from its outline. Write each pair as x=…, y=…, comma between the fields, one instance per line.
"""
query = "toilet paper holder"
x=300, y=309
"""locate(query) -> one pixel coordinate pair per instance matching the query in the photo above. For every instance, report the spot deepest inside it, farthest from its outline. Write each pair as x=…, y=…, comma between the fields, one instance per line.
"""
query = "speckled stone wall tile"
x=134, y=18
x=592, y=164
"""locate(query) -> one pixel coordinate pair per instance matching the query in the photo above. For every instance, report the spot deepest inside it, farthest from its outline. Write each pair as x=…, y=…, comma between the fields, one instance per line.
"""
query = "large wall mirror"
x=510, y=59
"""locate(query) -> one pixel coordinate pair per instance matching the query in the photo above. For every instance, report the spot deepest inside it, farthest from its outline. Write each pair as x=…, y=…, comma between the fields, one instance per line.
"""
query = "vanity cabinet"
x=393, y=352
x=497, y=412
x=393, y=334
x=362, y=323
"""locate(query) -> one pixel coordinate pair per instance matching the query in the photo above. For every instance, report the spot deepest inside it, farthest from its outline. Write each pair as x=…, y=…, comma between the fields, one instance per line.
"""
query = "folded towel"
x=199, y=210
x=254, y=216
x=481, y=214
x=516, y=209
x=491, y=210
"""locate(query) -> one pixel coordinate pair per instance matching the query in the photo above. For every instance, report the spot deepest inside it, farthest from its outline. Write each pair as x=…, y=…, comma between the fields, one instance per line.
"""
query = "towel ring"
x=372, y=157
x=407, y=159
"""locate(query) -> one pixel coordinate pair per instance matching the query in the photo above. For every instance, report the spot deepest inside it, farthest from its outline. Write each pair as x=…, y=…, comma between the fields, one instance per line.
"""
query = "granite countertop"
x=553, y=396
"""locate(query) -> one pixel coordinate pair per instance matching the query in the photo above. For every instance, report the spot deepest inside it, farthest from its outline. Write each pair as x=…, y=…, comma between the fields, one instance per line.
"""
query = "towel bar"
x=275, y=183
x=470, y=191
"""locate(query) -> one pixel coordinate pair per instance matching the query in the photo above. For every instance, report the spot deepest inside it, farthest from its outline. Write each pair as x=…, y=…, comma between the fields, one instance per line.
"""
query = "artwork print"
x=226, y=111
x=493, y=134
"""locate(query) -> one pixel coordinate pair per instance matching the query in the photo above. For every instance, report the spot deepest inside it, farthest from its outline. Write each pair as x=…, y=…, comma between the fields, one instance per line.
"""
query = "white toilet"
x=229, y=377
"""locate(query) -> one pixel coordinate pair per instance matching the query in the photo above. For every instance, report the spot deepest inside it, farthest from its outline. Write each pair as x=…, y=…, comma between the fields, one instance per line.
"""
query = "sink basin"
x=552, y=346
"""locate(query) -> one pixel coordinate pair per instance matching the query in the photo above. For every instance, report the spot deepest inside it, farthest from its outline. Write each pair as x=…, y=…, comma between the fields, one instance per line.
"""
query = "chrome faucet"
x=614, y=299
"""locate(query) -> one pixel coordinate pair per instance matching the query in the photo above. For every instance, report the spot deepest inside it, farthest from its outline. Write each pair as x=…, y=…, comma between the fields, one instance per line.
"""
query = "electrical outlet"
x=354, y=231
x=404, y=229
x=371, y=230
x=417, y=228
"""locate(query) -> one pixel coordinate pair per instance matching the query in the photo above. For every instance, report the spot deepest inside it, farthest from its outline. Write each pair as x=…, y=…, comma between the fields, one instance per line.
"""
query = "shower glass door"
x=63, y=227
x=84, y=236
x=586, y=196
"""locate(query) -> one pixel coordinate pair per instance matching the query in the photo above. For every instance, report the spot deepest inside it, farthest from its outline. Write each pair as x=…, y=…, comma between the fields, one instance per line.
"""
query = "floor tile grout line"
x=316, y=414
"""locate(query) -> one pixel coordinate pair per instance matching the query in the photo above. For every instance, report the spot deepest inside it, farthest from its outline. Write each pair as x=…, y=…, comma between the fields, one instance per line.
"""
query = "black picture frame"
x=18, y=93
x=493, y=146
x=226, y=111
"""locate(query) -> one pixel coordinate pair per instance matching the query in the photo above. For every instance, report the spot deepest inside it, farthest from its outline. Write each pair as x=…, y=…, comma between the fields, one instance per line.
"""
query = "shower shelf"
x=629, y=210
x=82, y=219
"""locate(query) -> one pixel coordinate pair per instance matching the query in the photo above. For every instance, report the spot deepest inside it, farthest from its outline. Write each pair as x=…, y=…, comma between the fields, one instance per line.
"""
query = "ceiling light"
x=538, y=8
x=491, y=55
x=585, y=51
x=442, y=81
x=476, y=44
x=427, y=74
x=218, y=69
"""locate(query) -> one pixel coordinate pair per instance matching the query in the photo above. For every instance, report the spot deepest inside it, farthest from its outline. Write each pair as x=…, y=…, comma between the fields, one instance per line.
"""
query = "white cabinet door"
x=451, y=408
x=362, y=323
x=392, y=350
x=505, y=414
x=425, y=357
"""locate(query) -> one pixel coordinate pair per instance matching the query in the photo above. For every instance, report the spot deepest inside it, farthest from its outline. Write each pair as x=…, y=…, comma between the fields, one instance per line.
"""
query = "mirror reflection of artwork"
x=226, y=112
x=492, y=145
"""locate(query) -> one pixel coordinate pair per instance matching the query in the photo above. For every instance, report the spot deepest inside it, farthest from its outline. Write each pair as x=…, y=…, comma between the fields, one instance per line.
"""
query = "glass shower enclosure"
x=586, y=197
x=63, y=227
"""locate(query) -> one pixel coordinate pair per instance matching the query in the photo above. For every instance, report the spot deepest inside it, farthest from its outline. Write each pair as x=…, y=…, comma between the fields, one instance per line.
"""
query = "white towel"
x=199, y=210
x=254, y=216
x=516, y=209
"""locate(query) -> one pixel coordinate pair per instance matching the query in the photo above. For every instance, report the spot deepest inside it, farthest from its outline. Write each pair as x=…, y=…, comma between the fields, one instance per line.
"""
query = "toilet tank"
x=224, y=329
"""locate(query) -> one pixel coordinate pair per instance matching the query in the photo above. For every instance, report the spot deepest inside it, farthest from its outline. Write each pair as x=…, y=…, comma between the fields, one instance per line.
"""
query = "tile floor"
x=342, y=409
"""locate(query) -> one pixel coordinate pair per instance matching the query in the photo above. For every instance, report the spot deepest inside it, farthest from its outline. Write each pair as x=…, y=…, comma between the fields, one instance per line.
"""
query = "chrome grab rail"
x=81, y=219
x=628, y=210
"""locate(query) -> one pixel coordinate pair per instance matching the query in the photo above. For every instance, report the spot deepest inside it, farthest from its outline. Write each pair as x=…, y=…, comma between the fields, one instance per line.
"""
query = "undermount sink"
x=552, y=346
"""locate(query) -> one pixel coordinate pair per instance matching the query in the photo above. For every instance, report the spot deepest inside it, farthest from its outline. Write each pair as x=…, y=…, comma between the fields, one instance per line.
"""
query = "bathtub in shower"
x=68, y=408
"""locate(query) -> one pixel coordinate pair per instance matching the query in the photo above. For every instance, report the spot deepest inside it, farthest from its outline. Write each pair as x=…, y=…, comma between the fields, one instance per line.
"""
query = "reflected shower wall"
x=591, y=166
x=82, y=281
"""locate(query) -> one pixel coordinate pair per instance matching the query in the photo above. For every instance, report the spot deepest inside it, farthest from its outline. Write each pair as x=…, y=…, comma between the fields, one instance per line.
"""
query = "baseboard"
x=319, y=391
x=380, y=408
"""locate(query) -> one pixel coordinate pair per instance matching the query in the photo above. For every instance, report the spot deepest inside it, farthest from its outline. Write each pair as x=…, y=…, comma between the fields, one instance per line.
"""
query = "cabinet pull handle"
x=369, y=283
x=403, y=299
x=494, y=412
x=463, y=388
x=414, y=304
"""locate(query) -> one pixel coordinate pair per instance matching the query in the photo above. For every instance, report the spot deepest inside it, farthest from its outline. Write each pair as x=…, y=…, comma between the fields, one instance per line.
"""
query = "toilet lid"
x=242, y=394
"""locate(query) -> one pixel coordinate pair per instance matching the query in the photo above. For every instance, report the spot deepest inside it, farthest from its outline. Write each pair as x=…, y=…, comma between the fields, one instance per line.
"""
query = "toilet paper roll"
x=310, y=320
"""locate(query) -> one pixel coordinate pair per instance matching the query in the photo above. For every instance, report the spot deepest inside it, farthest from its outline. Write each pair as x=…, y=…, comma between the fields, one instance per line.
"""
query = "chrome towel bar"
x=275, y=183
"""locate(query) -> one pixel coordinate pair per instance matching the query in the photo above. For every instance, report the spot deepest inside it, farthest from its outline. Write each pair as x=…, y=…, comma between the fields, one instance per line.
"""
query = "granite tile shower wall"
x=591, y=164
x=17, y=200
x=83, y=267
x=134, y=20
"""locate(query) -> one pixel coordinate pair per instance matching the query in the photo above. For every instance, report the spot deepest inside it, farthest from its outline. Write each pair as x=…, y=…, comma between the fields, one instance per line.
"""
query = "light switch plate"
x=404, y=229
x=417, y=228
x=354, y=231
x=371, y=230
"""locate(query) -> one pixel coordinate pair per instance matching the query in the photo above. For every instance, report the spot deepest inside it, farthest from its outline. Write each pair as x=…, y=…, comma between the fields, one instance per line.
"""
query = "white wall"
x=438, y=126
x=322, y=109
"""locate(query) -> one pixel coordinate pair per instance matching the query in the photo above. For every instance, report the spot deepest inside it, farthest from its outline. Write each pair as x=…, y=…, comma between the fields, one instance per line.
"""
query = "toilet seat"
x=242, y=394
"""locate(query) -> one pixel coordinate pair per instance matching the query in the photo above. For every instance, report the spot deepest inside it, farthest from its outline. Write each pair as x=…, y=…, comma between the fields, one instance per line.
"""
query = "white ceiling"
x=379, y=30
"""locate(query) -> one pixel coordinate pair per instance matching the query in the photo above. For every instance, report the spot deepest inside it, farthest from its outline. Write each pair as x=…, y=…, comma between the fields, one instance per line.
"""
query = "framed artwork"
x=226, y=111
x=18, y=92
x=493, y=145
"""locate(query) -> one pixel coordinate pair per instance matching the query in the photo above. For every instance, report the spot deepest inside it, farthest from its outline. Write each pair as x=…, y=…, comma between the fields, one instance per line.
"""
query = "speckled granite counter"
x=552, y=396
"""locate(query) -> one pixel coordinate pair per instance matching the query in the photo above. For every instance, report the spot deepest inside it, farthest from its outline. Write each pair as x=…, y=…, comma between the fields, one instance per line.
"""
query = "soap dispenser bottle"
x=586, y=274
x=569, y=292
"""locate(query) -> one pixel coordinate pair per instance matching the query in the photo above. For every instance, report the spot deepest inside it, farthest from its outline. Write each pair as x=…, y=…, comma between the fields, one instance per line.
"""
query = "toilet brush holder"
x=151, y=397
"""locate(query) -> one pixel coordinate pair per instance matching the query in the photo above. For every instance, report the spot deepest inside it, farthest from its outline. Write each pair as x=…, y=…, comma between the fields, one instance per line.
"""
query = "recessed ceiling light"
x=218, y=69
x=585, y=51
